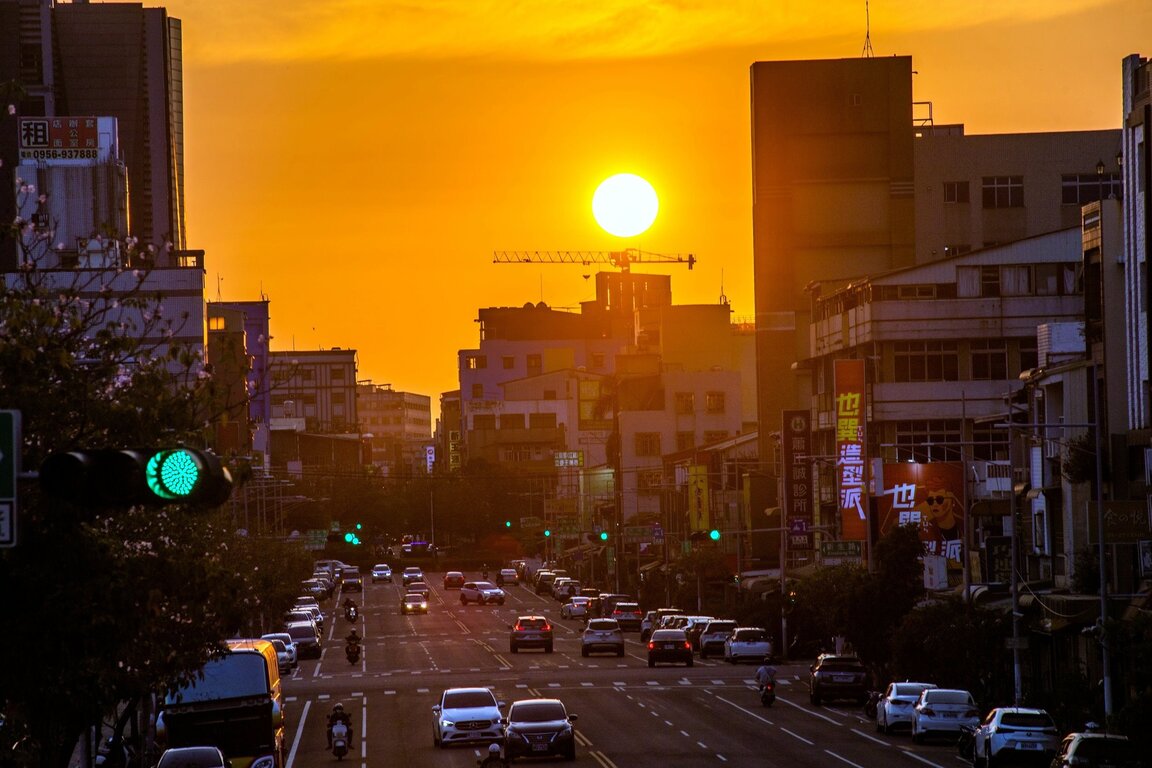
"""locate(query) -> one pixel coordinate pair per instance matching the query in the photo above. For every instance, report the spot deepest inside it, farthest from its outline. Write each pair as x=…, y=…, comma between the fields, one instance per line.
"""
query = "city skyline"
x=412, y=151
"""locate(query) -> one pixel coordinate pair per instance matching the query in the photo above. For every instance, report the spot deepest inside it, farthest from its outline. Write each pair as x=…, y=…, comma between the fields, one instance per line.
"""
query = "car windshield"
x=468, y=699
x=536, y=712
x=1027, y=720
x=485, y=585
x=602, y=624
x=1092, y=750
x=230, y=676
x=750, y=636
x=190, y=757
x=627, y=607
x=947, y=697
x=907, y=689
x=842, y=666
x=720, y=626
x=531, y=623
x=668, y=634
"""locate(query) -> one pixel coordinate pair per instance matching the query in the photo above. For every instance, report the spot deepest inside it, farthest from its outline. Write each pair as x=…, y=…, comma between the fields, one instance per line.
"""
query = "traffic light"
x=603, y=535
x=547, y=532
x=507, y=523
x=352, y=538
x=714, y=535
x=122, y=477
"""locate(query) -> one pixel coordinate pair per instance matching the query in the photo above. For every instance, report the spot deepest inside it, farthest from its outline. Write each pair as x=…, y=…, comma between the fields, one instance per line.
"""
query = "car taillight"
x=518, y=628
x=687, y=645
x=651, y=645
x=547, y=627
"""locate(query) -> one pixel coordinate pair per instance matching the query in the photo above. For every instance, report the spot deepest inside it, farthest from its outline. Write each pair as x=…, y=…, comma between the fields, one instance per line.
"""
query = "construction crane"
x=622, y=260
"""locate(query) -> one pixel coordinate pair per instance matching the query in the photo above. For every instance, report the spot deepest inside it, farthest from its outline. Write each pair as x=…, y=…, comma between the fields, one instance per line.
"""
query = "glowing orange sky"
x=358, y=162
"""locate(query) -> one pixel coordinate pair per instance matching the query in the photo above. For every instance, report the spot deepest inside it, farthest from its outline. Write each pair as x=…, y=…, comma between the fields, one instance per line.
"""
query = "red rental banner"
x=851, y=447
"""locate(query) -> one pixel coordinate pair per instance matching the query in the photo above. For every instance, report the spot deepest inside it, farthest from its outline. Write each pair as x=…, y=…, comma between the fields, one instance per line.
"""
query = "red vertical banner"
x=796, y=452
x=851, y=447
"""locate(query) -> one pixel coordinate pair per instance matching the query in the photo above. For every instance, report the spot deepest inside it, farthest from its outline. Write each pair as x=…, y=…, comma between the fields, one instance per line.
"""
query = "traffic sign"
x=657, y=534
x=9, y=471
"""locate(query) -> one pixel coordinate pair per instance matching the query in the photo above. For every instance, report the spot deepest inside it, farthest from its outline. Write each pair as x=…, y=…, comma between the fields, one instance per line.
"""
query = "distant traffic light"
x=714, y=535
x=603, y=535
x=115, y=477
x=547, y=532
x=352, y=538
x=507, y=523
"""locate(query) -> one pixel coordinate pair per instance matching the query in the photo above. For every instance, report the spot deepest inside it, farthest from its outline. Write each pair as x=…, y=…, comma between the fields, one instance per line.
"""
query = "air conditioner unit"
x=999, y=477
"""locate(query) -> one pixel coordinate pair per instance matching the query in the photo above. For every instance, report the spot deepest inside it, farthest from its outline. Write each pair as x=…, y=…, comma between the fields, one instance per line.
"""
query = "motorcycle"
x=352, y=651
x=116, y=752
x=872, y=703
x=340, y=740
x=351, y=613
x=768, y=693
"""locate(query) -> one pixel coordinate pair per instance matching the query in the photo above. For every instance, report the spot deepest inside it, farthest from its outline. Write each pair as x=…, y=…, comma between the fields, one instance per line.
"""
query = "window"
x=535, y=365
x=508, y=362
x=957, y=249
x=597, y=360
x=307, y=374
x=1029, y=355
x=337, y=374
x=337, y=398
x=685, y=403
x=542, y=421
x=685, y=440
x=476, y=362
x=484, y=421
x=216, y=324
x=647, y=443
x=714, y=402
x=927, y=440
x=1081, y=188
x=955, y=191
x=989, y=443
x=989, y=359
x=1016, y=280
x=989, y=281
x=477, y=391
x=926, y=361
x=1003, y=191
x=512, y=421
x=715, y=435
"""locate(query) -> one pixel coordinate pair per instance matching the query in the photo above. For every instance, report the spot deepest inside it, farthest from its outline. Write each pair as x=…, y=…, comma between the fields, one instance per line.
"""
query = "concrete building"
x=103, y=59
x=397, y=425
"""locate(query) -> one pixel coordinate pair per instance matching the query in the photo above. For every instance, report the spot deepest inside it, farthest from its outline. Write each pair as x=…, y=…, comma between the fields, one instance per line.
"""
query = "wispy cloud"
x=271, y=30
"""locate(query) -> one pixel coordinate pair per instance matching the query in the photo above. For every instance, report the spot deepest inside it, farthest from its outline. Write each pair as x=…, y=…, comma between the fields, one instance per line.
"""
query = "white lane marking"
x=869, y=736
x=795, y=735
x=842, y=758
x=299, y=730
x=922, y=759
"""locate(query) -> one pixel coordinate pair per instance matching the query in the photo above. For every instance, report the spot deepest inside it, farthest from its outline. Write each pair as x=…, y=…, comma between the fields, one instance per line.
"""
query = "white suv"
x=1008, y=732
x=467, y=715
x=481, y=593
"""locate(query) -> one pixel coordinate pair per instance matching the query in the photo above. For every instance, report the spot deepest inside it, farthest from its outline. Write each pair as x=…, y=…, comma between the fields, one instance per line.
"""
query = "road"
x=629, y=716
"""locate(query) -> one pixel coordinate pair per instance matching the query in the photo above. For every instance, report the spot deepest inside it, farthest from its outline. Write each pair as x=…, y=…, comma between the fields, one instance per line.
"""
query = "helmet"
x=338, y=708
x=493, y=749
x=768, y=658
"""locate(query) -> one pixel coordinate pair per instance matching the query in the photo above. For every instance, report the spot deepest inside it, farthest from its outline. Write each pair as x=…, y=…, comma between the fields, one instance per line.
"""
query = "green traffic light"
x=714, y=535
x=507, y=523
x=359, y=526
x=348, y=537
x=547, y=532
x=603, y=535
x=173, y=473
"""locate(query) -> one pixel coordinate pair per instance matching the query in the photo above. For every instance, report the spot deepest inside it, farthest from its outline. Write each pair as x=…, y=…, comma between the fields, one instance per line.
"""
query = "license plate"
x=952, y=715
x=1028, y=745
x=475, y=735
x=842, y=678
x=670, y=645
x=539, y=747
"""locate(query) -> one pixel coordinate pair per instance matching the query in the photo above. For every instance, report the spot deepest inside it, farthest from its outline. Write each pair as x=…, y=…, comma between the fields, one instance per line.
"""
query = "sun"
x=625, y=205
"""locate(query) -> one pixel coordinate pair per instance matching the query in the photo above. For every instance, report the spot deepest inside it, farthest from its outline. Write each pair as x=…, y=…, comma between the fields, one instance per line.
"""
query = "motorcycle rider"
x=349, y=606
x=494, y=758
x=484, y=571
x=765, y=674
x=338, y=715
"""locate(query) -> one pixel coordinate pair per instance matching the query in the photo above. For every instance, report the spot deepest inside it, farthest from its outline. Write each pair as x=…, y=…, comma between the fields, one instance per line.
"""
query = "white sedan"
x=747, y=644
x=894, y=710
x=575, y=608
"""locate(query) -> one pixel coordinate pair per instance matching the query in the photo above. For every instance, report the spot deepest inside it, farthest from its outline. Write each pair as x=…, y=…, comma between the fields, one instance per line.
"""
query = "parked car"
x=747, y=644
x=1098, y=750
x=894, y=710
x=467, y=715
x=312, y=610
x=1011, y=733
x=507, y=577
x=941, y=712
x=602, y=635
x=411, y=573
x=289, y=643
x=413, y=602
x=530, y=632
x=837, y=677
x=713, y=636
x=575, y=608
x=453, y=580
x=669, y=645
x=381, y=572
x=481, y=593
x=283, y=657
x=539, y=728
x=193, y=757
x=307, y=639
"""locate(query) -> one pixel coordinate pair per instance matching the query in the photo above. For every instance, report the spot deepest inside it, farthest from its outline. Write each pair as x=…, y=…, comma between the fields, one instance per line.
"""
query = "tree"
x=105, y=605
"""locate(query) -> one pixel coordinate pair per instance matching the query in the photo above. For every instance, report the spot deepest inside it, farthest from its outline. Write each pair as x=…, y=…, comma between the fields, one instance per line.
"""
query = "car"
x=1012, y=733
x=289, y=644
x=602, y=635
x=628, y=614
x=693, y=626
x=837, y=677
x=316, y=588
x=747, y=644
x=467, y=715
x=420, y=588
x=575, y=608
x=539, y=728
x=307, y=600
x=352, y=583
x=894, y=709
x=481, y=593
x=283, y=657
x=530, y=632
x=544, y=581
x=652, y=620
x=942, y=712
x=565, y=588
x=193, y=757
x=306, y=637
x=381, y=572
x=713, y=636
x=301, y=614
x=669, y=645
x=413, y=602
x=453, y=580
x=1097, y=750
x=411, y=573
x=608, y=601
x=507, y=577
x=314, y=611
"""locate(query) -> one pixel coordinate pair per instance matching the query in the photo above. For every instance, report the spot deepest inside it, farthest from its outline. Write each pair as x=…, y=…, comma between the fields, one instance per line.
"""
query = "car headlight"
x=264, y=761
x=447, y=724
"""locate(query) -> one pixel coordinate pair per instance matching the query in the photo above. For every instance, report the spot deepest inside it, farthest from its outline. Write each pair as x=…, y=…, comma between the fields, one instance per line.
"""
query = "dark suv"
x=838, y=677
x=530, y=632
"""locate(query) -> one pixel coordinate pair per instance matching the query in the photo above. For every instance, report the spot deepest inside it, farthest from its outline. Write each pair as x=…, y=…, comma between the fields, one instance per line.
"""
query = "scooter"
x=871, y=704
x=768, y=693
x=351, y=613
x=340, y=739
x=352, y=651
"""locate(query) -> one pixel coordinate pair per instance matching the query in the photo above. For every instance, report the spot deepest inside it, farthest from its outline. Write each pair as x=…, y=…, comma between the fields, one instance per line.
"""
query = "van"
x=234, y=703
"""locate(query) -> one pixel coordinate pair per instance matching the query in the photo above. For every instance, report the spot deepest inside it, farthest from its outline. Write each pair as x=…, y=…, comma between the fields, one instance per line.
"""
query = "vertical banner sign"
x=931, y=497
x=698, y=517
x=796, y=452
x=9, y=472
x=851, y=439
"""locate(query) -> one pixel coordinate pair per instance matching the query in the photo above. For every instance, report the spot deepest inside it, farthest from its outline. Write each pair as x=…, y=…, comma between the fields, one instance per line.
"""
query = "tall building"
x=120, y=60
x=1136, y=218
x=398, y=426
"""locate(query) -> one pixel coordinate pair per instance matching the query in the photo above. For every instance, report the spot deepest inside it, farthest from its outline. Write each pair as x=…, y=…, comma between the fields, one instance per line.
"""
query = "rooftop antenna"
x=868, y=52
x=723, y=298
